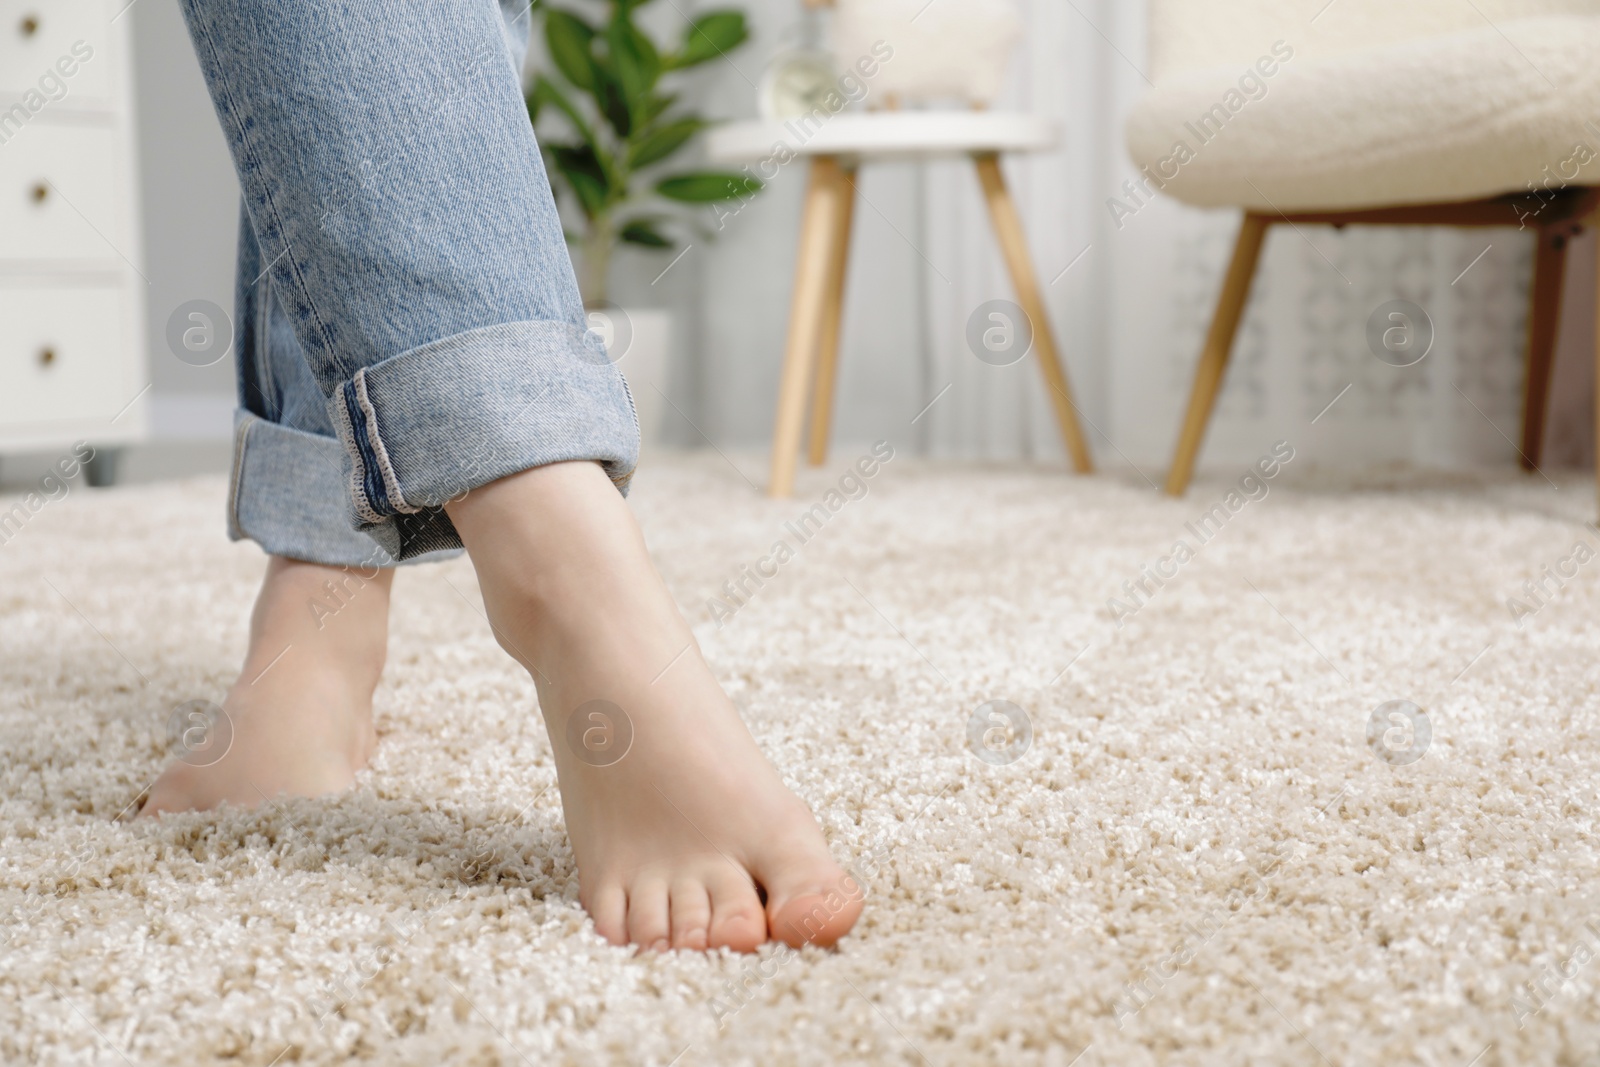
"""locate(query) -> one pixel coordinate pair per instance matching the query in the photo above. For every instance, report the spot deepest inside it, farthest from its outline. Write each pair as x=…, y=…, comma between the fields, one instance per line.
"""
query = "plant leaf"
x=711, y=36
x=708, y=187
x=652, y=108
x=547, y=92
x=571, y=44
x=544, y=92
x=582, y=169
x=613, y=100
x=636, y=62
x=657, y=144
x=643, y=232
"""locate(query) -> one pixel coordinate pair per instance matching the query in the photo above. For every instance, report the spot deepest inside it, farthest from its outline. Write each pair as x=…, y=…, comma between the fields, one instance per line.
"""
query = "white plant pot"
x=639, y=341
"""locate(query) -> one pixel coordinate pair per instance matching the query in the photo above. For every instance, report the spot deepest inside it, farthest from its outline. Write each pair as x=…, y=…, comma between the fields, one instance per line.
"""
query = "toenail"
x=660, y=945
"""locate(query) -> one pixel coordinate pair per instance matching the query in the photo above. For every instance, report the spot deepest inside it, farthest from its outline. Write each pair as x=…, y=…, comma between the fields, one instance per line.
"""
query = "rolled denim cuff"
x=287, y=494
x=427, y=426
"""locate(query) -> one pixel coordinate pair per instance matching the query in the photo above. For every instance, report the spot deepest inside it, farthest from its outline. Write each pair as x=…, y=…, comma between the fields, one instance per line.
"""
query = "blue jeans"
x=408, y=323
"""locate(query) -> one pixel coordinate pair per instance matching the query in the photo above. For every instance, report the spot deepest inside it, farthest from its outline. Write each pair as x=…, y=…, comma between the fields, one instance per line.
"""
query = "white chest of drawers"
x=73, y=365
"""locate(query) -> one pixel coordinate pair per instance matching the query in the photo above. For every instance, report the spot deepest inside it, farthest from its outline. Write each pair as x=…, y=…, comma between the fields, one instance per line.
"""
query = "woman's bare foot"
x=298, y=722
x=675, y=816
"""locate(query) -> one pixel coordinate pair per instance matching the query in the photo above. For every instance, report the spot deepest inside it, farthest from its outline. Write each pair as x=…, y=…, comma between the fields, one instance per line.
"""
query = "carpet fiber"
x=1200, y=858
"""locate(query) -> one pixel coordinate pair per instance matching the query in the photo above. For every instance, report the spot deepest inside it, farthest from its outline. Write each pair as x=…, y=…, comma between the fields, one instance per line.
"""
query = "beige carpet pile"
x=1200, y=859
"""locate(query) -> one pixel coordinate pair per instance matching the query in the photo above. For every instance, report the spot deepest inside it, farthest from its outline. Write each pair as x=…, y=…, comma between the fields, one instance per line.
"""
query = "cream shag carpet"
x=1201, y=859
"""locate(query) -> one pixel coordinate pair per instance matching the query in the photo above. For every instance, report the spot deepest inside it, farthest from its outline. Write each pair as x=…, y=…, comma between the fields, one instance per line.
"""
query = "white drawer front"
x=37, y=39
x=59, y=197
x=65, y=354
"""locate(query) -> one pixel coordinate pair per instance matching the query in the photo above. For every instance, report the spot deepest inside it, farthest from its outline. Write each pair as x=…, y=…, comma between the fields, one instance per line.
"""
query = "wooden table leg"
x=1544, y=320
x=1008, y=230
x=1219, y=346
x=1594, y=223
x=818, y=227
x=832, y=321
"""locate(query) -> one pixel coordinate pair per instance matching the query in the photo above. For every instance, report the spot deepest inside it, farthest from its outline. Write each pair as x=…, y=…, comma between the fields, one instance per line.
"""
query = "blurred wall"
x=191, y=210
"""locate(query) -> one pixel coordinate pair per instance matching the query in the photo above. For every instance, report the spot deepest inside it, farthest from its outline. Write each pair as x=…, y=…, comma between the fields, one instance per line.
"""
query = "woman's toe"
x=609, y=909
x=813, y=904
x=647, y=913
x=737, y=921
x=690, y=905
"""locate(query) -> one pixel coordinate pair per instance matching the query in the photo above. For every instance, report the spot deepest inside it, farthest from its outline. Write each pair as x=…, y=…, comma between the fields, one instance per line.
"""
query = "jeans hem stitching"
x=391, y=481
x=347, y=435
x=241, y=437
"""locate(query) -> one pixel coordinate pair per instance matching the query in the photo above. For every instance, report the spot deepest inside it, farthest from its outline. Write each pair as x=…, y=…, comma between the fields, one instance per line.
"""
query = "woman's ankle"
x=550, y=539
x=336, y=614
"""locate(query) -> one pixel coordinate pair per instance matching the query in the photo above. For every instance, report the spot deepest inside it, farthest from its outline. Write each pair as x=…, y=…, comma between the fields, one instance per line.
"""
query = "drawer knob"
x=47, y=356
x=30, y=25
x=41, y=192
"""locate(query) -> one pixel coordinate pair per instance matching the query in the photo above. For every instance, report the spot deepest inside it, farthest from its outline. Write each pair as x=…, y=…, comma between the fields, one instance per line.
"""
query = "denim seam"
x=241, y=438
x=358, y=451
x=347, y=435
x=621, y=480
x=391, y=481
x=362, y=460
x=248, y=151
x=268, y=384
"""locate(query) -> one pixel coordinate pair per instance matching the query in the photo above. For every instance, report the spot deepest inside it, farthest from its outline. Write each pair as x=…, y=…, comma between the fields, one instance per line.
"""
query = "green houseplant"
x=620, y=125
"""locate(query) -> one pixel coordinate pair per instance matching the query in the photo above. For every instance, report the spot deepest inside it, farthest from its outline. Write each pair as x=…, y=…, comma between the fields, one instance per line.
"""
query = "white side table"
x=838, y=146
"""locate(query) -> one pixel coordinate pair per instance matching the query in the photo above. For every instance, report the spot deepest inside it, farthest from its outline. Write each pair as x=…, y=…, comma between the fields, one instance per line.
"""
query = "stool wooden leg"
x=1219, y=346
x=1594, y=222
x=1544, y=319
x=818, y=227
x=1008, y=231
x=832, y=321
